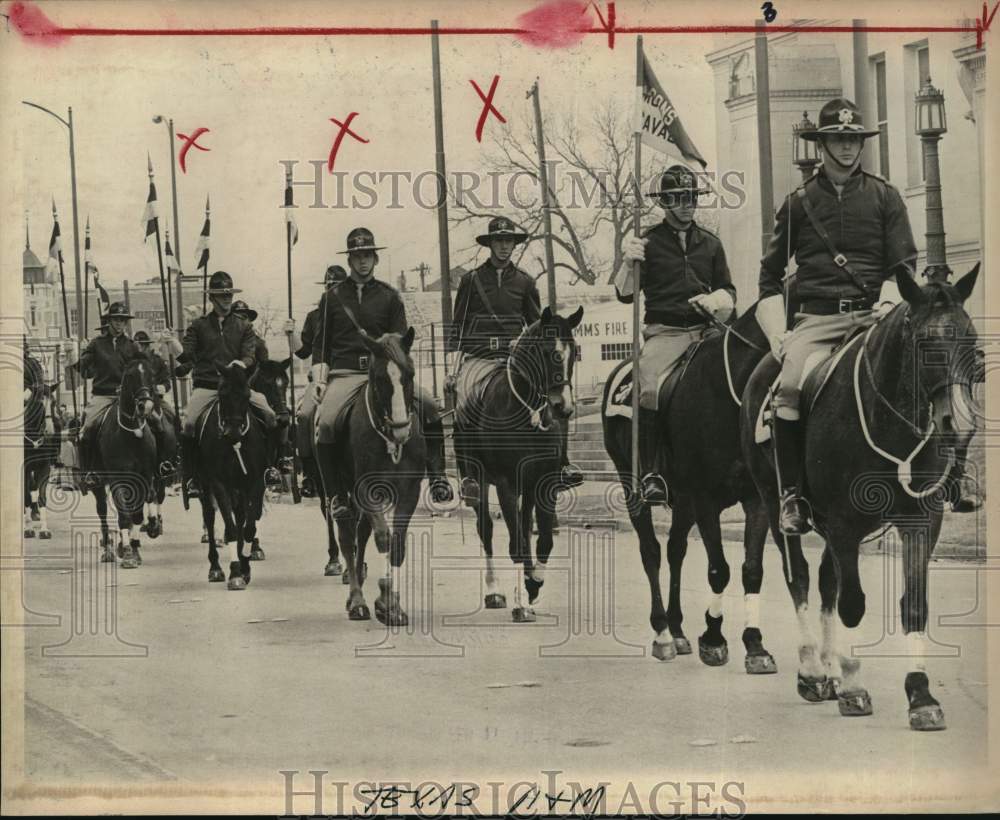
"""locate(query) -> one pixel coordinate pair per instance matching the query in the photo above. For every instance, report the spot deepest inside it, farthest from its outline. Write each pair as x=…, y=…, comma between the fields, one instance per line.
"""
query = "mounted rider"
x=161, y=383
x=103, y=360
x=683, y=276
x=340, y=357
x=303, y=346
x=494, y=304
x=849, y=233
x=217, y=339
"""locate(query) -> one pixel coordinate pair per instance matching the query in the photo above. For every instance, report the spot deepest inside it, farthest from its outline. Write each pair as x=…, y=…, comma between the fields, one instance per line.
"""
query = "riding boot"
x=164, y=465
x=272, y=475
x=794, y=514
x=441, y=492
x=189, y=460
x=653, y=487
x=308, y=487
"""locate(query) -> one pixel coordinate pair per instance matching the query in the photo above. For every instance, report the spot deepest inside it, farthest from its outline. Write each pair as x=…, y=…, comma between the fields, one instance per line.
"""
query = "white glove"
x=634, y=249
x=320, y=373
x=719, y=303
x=161, y=389
x=239, y=362
x=771, y=318
x=888, y=298
x=289, y=326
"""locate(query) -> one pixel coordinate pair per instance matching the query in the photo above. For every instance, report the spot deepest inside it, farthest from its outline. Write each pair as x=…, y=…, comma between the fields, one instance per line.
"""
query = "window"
x=881, y=115
x=616, y=351
x=916, y=72
x=34, y=321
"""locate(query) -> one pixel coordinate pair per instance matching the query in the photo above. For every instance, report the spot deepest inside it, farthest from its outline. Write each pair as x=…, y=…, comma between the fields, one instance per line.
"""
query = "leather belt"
x=828, y=307
x=349, y=362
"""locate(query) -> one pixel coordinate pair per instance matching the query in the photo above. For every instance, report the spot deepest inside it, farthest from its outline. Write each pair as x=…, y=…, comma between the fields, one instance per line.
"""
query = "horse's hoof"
x=333, y=568
x=257, y=554
x=523, y=615
x=928, y=718
x=345, y=578
x=682, y=645
x=153, y=529
x=129, y=561
x=29, y=533
x=814, y=690
x=359, y=612
x=107, y=557
x=45, y=535
x=495, y=600
x=138, y=557
x=760, y=664
x=392, y=615
x=237, y=582
x=120, y=551
x=665, y=651
x=204, y=538
x=832, y=688
x=856, y=703
x=713, y=655
x=216, y=574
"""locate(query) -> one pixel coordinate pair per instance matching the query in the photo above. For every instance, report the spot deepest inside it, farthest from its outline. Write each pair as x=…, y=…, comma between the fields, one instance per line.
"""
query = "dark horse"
x=41, y=447
x=127, y=451
x=880, y=442
x=706, y=474
x=232, y=458
x=380, y=455
x=512, y=441
x=168, y=461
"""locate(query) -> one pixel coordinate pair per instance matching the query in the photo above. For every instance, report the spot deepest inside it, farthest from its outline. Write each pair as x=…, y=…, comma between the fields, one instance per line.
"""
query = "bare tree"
x=268, y=318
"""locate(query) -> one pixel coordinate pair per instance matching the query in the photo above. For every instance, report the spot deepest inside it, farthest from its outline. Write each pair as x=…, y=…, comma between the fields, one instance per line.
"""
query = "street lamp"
x=805, y=153
x=81, y=319
x=930, y=125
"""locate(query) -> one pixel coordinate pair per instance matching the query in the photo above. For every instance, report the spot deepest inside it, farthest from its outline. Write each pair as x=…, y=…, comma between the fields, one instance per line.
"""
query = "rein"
x=395, y=448
x=535, y=414
x=142, y=395
x=243, y=431
x=904, y=467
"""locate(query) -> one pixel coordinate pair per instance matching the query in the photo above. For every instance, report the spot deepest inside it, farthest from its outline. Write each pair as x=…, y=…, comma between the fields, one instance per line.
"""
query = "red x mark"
x=487, y=107
x=344, y=129
x=188, y=142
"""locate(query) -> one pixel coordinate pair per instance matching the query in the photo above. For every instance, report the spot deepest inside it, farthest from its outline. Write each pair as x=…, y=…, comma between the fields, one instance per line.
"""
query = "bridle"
x=244, y=429
x=140, y=395
x=394, y=447
x=534, y=413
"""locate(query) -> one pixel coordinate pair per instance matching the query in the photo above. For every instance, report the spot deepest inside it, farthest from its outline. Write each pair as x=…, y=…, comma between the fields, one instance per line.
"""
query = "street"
x=165, y=678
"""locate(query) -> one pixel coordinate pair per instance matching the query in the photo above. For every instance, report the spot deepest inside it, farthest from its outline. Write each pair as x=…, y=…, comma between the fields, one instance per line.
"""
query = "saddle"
x=621, y=381
x=202, y=419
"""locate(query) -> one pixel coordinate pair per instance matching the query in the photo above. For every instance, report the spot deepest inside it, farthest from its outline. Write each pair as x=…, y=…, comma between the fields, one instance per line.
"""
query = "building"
x=145, y=301
x=43, y=316
x=881, y=72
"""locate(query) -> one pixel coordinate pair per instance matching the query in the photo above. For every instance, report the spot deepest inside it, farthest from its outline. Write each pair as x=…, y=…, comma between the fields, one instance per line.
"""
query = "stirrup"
x=470, y=491
x=793, y=514
x=166, y=468
x=653, y=489
x=339, y=509
x=272, y=477
x=570, y=476
x=192, y=488
x=440, y=489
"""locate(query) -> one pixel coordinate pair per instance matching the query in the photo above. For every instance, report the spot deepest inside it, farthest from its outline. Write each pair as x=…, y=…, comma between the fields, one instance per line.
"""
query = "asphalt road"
x=164, y=678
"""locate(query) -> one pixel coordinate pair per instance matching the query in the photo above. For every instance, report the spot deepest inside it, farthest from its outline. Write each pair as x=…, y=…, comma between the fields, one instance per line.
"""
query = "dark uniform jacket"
x=867, y=222
x=379, y=310
x=260, y=353
x=161, y=372
x=308, y=334
x=513, y=297
x=207, y=344
x=104, y=361
x=671, y=274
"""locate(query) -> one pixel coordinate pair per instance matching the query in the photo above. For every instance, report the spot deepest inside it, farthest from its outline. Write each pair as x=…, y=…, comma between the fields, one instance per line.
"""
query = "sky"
x=268, y=99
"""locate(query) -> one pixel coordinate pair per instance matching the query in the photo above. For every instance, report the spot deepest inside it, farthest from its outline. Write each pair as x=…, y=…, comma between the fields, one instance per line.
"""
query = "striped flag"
x=91, y=269
x=55, y=243
x=150, y=215
x=201, y=251
x=172, y=266
x=289, y=209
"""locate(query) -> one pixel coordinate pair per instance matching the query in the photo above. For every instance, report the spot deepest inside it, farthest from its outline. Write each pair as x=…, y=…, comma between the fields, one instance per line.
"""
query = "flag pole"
x=546, y=198
x=204, y=270
x=69, y=332
x=636, y=289
x=296, y=495
x=166, y=313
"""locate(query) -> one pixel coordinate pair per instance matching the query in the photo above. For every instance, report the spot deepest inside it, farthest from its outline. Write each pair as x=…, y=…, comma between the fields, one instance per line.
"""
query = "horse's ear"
x=546, y=315
x=575, y=318
x=964, y=286
x=408, y=337
x=285, y=363
x=908, y=288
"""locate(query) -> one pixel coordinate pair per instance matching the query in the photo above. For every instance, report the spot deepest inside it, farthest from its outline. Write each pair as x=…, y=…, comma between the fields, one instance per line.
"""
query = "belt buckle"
x=840, y=260
x=494, y=343
x=845, y=305
x=363, y=362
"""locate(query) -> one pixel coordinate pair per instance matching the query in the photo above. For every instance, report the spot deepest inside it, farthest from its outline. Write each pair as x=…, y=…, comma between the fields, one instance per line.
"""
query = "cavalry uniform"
x=848, y=241
x=104, y=360
x=679, y=265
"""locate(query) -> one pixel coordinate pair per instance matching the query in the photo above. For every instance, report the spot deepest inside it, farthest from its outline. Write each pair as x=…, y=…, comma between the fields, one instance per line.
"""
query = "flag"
x=91, y=269
x=168, y=253
x=55, y=244
x=658, y=121
x=201, y=251
x=152, y=213
x=289, y=212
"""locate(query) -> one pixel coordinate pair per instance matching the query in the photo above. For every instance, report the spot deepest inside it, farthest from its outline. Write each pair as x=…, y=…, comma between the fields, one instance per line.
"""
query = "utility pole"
x=423, y=269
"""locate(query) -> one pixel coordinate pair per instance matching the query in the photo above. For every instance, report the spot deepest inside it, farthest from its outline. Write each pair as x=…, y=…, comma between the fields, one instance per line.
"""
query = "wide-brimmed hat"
x=333, y=275
x=117, y=310
x=678, y=179
x=221, y=283
x=362, y=239
x=501, y=228
x=142, y=338
x=839, y=116
x=103, y=324
x=241, y=308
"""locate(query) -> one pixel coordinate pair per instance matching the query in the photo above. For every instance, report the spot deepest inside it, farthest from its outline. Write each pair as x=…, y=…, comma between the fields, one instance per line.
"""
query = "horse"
x=883, y=420
x=41, y=448
x=168, y=460
x=232, y=458
x=705, y=473
x=127, y=451
x=513, y=442
x=380, y=456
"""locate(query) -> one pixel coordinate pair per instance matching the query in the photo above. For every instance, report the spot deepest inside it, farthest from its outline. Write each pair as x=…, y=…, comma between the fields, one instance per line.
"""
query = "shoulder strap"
x=838, y=257
x=482, y=295
x=348, y=311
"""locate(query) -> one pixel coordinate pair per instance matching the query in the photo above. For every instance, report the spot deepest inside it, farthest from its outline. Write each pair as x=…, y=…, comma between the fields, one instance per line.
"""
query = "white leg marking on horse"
x=43, y=522
x=751, y=610
x=124, y=535
x=234, y=553
x=715, y=605
x=917, y=646
x=518, y=581
x=830, y=653
x=28, y=523
x=34, y=496
x=809, y=663
x=663, y=637
x=538, y=573
x=491, y=578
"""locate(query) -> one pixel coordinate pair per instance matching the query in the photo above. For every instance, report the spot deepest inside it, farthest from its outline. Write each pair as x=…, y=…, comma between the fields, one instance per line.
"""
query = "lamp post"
x=80, y=319
x=805, y=153
x=930, y=125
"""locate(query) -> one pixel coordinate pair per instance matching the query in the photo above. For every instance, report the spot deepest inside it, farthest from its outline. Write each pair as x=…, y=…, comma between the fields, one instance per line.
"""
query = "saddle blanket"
x=620, y=391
